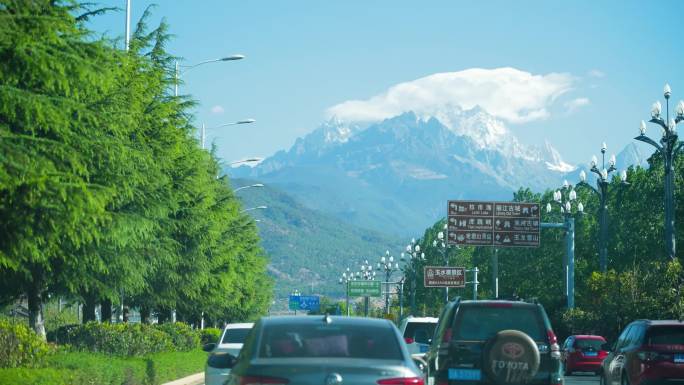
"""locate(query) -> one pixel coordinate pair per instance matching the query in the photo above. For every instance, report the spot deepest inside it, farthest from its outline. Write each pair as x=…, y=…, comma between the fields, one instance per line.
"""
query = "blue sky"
x=303, y=57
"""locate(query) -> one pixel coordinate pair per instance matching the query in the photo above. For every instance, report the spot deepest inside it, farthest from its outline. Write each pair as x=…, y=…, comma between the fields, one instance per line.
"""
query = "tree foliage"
x=641, y=281
x=103, y=188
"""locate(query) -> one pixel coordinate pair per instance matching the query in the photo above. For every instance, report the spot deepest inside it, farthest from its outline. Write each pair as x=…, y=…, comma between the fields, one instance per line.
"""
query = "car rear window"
x=483, y=322
x=665, y=335
x=421, y=332
x=352, y=341
x=235, y=336
x=589, y=344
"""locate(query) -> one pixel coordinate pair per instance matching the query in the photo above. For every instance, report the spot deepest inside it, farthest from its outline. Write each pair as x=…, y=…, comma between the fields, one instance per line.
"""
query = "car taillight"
x=402, y=381
x=259, y=380
x=553, y=341
x=408, y=340
x=447, y=335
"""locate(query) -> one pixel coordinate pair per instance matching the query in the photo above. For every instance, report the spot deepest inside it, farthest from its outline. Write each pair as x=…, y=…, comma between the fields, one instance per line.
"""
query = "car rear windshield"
x=352, y=341
x=421, y=332
x=665, y=335
x=483, y=322
x=235, y=336
x=589, y=344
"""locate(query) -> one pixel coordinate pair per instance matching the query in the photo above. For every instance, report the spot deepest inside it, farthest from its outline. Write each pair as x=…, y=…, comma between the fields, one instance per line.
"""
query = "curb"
x=195, y=379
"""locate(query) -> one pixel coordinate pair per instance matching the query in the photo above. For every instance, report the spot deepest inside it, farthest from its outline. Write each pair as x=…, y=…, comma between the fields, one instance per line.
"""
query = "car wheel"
x=566, y=370
x=511, y=357
x=602, y=380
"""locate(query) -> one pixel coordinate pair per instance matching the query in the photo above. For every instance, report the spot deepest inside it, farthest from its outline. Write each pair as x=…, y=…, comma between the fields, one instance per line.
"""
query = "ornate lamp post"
x=413, y=255
x=366, y=273
x=668, y=147
x=441, y=246
x=601, y=189
x=387, y=266
x=565, y=199
x=346, y=277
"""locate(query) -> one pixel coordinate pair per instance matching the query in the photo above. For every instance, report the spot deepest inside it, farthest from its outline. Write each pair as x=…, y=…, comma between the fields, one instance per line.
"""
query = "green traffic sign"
x=364, y=289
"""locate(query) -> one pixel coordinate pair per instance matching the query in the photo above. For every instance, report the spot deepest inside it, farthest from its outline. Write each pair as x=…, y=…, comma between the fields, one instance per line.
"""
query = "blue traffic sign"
x=309, y=302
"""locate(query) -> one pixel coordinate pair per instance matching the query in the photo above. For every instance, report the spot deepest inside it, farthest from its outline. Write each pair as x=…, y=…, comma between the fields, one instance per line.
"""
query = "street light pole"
x=564, y=199
x=669, y=147
x=602, y=183
x=413, y=255
x=388, y=266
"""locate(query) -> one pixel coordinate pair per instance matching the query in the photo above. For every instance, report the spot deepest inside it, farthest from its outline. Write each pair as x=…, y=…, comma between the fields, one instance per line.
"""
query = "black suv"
x=493, y=342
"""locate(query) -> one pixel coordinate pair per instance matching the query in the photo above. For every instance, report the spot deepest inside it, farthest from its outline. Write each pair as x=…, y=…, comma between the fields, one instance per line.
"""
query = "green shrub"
x=19, y=345
x=119, y=339
x=209, y=335
x=182, y=336
x=37, y=376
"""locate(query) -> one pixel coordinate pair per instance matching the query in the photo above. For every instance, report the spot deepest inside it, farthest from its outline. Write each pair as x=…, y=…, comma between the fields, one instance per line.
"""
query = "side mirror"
x=221, y=360
x=209, y=347
x=420, y=362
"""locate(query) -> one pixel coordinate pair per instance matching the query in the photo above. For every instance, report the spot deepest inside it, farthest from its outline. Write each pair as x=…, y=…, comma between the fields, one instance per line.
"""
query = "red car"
x=646, y=353
x=583, y=353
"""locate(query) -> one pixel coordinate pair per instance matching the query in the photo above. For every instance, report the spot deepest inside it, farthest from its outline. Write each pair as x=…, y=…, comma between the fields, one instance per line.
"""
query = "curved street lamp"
x=601, y=189
x=189, y=67
x=442, y=246
x=204, y=129
x=253, y=208
x=250, y=186
x=668, y=147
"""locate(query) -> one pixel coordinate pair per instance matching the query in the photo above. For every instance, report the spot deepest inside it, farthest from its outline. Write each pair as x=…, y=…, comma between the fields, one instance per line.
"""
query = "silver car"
x=324, y=350
x=217, y=368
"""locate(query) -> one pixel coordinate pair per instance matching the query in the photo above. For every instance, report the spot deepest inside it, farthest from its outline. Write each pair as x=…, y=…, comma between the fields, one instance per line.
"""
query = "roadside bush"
x=19, y=345
x=119, y=339
x=182, y=336
x=210, y=335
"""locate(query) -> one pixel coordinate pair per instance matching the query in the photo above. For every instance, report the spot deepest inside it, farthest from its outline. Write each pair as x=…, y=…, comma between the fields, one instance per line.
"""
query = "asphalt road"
x=582, y=379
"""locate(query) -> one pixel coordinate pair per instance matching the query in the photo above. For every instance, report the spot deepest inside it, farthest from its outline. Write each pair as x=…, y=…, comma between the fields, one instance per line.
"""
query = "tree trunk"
x=35, y=308
x=145, y=314
x=106, y=309
x=89, y=308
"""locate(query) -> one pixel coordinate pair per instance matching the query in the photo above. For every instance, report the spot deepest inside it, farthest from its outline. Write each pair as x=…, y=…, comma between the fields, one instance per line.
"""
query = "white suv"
x=417, y=332
x=217, y=368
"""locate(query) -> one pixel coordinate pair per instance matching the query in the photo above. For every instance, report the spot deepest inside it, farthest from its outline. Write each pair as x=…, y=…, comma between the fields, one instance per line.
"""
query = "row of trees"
x=641, y=282
x=104, y=191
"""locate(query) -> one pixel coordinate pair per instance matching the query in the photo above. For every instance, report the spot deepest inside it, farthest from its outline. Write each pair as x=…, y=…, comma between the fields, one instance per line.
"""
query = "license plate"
x=590, y=354
x=465, y=374
x=679, y=358
x=424, y=348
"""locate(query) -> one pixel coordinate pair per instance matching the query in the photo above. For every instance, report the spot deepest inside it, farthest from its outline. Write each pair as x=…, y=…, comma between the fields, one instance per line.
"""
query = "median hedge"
x=128, y=339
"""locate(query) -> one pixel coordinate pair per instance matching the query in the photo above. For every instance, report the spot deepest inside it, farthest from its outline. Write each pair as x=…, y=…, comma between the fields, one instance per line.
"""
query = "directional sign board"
x=443, y=276
x=304, y=302
x=364, y=289
x=499, y=224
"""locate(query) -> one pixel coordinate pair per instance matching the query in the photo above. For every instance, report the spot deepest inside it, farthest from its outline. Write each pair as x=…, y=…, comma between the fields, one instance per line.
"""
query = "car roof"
x=319, y=319
x=664, y=322
x=246, y=325
x=588, y=337
x=498, y=302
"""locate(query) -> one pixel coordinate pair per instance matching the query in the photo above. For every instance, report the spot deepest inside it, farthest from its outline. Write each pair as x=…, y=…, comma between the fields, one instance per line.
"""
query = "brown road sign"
x=500, y=224
x=443, y=276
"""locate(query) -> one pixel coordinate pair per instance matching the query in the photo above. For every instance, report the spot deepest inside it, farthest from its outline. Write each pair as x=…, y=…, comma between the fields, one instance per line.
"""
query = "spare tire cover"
x=511, y=357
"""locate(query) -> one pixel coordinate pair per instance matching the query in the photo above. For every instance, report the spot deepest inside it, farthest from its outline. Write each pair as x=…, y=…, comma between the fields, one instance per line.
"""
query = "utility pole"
x=128, y=24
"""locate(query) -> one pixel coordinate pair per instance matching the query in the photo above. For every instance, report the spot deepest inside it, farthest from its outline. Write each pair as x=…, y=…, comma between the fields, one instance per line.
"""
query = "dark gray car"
x=324, y=350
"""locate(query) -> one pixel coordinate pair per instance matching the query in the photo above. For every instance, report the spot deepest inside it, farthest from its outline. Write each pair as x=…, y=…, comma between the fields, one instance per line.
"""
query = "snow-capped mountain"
x=396, y=175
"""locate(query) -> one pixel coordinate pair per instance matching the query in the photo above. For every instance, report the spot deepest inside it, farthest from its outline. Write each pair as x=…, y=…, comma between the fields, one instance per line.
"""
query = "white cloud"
x=596, y=73
x=217, y=110
x=508, y=93
x=574, y=104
